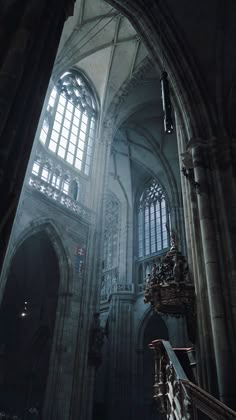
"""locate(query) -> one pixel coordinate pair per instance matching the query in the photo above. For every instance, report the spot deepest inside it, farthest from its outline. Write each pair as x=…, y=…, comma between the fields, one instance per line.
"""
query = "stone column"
x=204, y=347
x=120, y=386
x=207, y=210
x=29, y=35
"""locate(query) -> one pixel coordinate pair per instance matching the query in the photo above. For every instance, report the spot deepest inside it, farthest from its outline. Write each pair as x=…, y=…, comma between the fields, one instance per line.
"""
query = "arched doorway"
x=27, y=318
x=155, y=328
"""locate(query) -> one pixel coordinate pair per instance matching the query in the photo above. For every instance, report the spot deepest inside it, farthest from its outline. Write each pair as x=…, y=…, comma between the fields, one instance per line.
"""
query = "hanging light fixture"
x=25, y=311
x=165, y=91
x=166, y=103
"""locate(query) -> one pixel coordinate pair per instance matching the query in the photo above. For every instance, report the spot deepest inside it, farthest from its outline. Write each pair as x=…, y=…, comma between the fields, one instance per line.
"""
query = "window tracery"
x=111, y=234
x=69, y=124
x=46, y=172
x=153, y=220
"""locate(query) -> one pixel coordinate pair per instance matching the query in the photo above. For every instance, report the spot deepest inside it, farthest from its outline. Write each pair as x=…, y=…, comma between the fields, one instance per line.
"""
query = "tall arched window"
x=68, y=128
x=153, y=220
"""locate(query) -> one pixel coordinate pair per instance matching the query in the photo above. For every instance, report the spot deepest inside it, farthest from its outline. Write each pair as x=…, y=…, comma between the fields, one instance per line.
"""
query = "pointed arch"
x=143, y=323
x=47, y=226
x=153, y=219
x=70, y=121
x=188, y=88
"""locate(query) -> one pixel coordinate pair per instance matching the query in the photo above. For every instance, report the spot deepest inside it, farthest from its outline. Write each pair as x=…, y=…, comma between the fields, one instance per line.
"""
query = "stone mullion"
x=161, y=224
x=61, y=124
x=77, y=140
x=155, y=223
x=222, y=351
x=86, y=143
x=149, y=221
x=143, y=228
x=69, y=130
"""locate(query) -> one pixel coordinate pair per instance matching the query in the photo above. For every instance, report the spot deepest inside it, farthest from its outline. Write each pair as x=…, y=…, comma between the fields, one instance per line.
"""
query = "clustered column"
x=206, y=173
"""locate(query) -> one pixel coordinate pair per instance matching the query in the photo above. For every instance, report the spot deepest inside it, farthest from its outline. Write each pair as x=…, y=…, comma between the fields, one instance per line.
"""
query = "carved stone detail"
x=169, y=392
x=57, y=196
x=169, y=289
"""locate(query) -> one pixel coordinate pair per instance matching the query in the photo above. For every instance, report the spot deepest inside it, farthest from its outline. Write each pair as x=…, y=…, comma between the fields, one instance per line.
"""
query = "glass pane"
x=82, y=135
x=65, y=132
x=84, y=119
x=159, y=247
x=52, y=146
x=77, y=112
x=62, y=100
x=58, y=117
x=35, y=169
x=54, y=136
x=74, y=129
x=89, y=151
x=78, y=164
x=63, y=142
x=73, y=138
x=56, y=126
x=60, y=108
x=71, y=148
x=61, y=152
x=165, y=240
x=51, y=100
x=56, y=181
x=70, y=106
x=79, y=154
x=76, y=121
x=153, y=244
x=65, y=188
x=45, y=174
x=70, y=158
x=68, y=115
x=83, y=127
x=81, y=145
x=54, y=93
x=88, y=160
x=163, y=219
x=90, y=141
x=66, y=123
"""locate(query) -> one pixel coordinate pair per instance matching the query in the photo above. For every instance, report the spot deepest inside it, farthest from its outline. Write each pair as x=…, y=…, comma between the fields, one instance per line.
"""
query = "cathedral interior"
x=118, y=209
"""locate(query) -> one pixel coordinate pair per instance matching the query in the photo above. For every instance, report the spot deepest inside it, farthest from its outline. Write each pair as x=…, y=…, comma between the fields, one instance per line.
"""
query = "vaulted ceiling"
x=102, y=43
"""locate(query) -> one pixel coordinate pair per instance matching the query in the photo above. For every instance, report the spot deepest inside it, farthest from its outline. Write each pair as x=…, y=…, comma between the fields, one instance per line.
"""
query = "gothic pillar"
x=29, y=34
x=204, y=347
x=121, y=359
x=208, y=211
